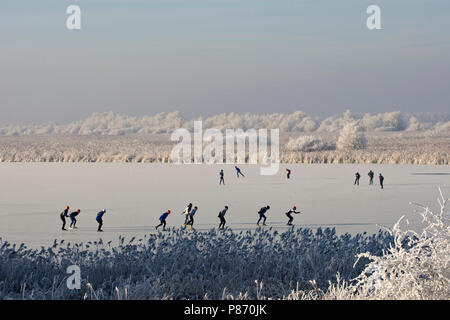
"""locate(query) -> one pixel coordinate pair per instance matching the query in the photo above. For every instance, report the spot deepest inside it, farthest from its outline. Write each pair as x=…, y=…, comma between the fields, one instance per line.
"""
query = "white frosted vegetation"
x=308, y=144
x=109, y=123
x=414, y=267
x=351, y=137
x=387, y=138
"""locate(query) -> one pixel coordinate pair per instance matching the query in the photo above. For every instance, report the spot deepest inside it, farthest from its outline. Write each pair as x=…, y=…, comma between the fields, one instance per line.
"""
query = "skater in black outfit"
x=222, y=218
x=370, y=174
x=99, y=219
x=357, y=175
x=221, y=177
x=289, y=215
x=288, y=173
x=63, y=215
x=162, y=220
x=191, y=216
x=381, y=178
x=238, y=172
x=261, y=213
x=73, y=220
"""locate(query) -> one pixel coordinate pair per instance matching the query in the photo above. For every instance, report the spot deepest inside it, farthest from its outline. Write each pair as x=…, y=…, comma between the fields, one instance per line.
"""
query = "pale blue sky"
x=212, y=56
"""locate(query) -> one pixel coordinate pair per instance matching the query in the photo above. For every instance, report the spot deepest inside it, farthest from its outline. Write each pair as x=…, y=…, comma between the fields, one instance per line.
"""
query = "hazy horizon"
x=204, y=58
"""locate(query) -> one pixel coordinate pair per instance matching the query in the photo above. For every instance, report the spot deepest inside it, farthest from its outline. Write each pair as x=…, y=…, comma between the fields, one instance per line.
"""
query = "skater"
x=288, y=173
x=63, y=215
x=381, y=178
x=222, y=218
x=357, y=175
x=186, y=213
x=262, y=216
x=73, y=220
x=370, y=174
x=191, y=216
x=100, y=220
x=289, y=215
x=163, y=220
x=221, y=177
x=238, y=172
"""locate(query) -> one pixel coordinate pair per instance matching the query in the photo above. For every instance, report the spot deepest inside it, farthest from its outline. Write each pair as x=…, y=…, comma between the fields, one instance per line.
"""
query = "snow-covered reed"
x=414, y=267
x=382, y=148
x=179, y=264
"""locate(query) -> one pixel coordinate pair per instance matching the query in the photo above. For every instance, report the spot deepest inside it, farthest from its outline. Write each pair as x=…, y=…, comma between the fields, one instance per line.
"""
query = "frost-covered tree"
x=308, y=144
x=351, y=137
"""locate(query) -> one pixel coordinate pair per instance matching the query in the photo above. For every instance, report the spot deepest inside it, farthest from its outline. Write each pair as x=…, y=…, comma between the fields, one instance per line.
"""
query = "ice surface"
x=135, y=194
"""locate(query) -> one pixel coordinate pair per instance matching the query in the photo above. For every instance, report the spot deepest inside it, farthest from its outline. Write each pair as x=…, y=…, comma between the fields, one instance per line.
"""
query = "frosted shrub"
x=415, y=266
x=351, y=137
x=308, y=144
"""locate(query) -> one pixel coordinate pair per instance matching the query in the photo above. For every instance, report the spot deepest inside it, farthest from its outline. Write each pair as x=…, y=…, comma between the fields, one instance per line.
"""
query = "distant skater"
x=238, y=172
x=288, y=173
x=381, y=178
x=73, y=220
x=370, y=174
x=289, y=215
x=63, y=215
x=261, y=213
x=357, y=176
x=186, y=213
x=99, y=219
x=221, y=177
x=222, y=218
x=191, y=217
x=162, y=220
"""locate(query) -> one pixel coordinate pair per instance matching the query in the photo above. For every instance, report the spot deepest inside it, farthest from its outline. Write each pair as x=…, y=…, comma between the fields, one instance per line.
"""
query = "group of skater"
x=371, y=174
x=73, y=220
x=190, y=210
x=189, y=213
x=239, y=173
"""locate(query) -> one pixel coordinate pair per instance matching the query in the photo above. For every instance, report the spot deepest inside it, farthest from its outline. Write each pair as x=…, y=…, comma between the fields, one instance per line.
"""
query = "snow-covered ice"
x=135, y=194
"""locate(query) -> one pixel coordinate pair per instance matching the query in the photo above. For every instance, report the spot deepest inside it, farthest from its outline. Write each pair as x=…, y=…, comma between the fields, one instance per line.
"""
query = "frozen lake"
x=33, y=194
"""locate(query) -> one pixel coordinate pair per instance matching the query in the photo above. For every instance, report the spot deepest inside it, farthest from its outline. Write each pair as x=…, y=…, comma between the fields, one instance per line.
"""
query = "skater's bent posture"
x=73, y=220
x=370, y=174
x=381, y=178
x=288, y=173
x=357, y=176
x=289, y=215
x=99, y=219
x=186, y=213
x=238, y=172
x=262, y=216
x=191, y=216
x=162, y=220
x=221, y=177
x=63, y=215
x=222, y=218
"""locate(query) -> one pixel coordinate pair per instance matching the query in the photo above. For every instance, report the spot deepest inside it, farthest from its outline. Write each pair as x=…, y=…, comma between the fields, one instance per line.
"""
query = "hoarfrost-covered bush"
x=416, y=266
x=351, y=137
x=308, y=144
